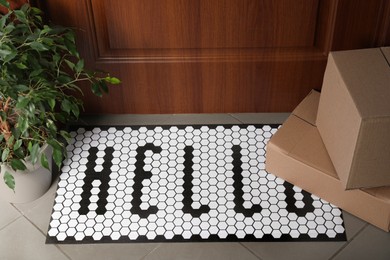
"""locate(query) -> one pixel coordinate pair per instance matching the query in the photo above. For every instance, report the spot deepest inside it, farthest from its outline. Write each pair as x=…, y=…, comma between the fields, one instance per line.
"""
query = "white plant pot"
x=30, y=184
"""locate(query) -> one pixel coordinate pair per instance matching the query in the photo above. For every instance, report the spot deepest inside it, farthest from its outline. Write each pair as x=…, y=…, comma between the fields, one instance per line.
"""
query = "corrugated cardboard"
x=354, y=116
x=297, y=154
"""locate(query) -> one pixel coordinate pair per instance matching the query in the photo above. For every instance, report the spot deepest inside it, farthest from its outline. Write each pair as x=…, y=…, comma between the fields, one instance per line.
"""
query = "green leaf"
x=4, y=53
x=17, y=164
x=57, y=157
x=69, y=35
x=52, y=103
x=66, y=105
x=46, y=29
x=51, y=127
x=9, y=180
x=103, y=86
x=22, y=102
x=96, y=89
x=48, y=41
x=38, y=46
x=70, y=64
x=23, y=124
x=36, y=72
x=65, y=135
x=3, y=19
x=55, y=144
x=21, y=16
x=34, y=10
x=16, y=133
x=79, y=66
x=34, y=153
x=4, y=3
x=21, y=66
x=5, y=154
x=10, y=56
x=29, y=146
x=19, y=153
x=18, y=144
x=56, y=58
x=71, y=46
x=31, y=108
x=75, y=110
x=112, y=80
x=21, y=88
x=63, y=79
x=9, y=28
x=44, y=161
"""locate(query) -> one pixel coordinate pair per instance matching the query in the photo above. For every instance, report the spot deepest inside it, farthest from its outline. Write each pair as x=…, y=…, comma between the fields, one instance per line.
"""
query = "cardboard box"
x=297, y=154
x=354, y=116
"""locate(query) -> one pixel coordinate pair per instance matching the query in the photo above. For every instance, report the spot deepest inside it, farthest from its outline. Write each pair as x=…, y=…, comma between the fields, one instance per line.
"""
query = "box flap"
x=311, y=151
x=299, y=122
x=367, y=75
x=296, y=128
x=299, y=138
x=382, y=193
x=307, y=109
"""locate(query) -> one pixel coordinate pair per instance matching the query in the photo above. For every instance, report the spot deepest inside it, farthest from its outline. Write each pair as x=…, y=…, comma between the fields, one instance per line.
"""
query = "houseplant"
x=39, y=69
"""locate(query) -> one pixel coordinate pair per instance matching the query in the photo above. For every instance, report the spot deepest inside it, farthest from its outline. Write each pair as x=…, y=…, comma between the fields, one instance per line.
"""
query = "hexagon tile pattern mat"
x=181, y=183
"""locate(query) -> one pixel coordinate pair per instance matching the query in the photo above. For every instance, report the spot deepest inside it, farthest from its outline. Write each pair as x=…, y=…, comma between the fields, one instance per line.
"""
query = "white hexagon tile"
x=181, y=183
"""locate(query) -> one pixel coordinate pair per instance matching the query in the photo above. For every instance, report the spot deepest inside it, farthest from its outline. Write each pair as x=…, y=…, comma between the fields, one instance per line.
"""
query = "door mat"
x=181, y=183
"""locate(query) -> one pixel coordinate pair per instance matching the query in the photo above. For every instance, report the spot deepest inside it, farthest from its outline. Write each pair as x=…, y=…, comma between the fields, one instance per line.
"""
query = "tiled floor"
x=23, y=226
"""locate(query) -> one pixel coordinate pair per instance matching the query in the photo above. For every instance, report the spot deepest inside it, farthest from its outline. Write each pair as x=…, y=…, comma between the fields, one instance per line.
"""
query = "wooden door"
x=216, y=56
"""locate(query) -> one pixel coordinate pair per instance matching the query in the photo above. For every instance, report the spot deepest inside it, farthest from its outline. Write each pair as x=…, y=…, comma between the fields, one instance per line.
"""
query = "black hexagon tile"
x=181, y=183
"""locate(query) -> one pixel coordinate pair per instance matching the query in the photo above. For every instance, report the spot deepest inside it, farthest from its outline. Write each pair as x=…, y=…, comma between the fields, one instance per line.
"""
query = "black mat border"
x=198, y=239
x=340, y=237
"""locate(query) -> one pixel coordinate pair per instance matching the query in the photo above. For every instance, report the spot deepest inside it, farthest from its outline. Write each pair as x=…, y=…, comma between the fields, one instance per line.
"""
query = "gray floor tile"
x=261, y=118
x=353, y=225
x=130, y=119
x=180, y=119
x=8, y=213
x=371, y=243
x=21, y=240
x=294, y=250
x=214, y=251
x=40, y=214
x=108, y=251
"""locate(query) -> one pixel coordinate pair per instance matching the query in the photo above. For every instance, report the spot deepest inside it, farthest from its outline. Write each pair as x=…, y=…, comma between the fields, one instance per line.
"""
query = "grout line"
x=251, y=251
x=36, y=227
x=9, y=223
x=236, y=118
x=151, y=251
x=349, y=242
x=62, y=251
x=44, y=234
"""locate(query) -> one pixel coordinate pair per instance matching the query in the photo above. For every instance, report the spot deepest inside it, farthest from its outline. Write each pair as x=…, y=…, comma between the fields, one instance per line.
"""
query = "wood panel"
x=218, y=88
x=361, y=24
x=200, y=56
x=201, y=29
x=183, y=24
